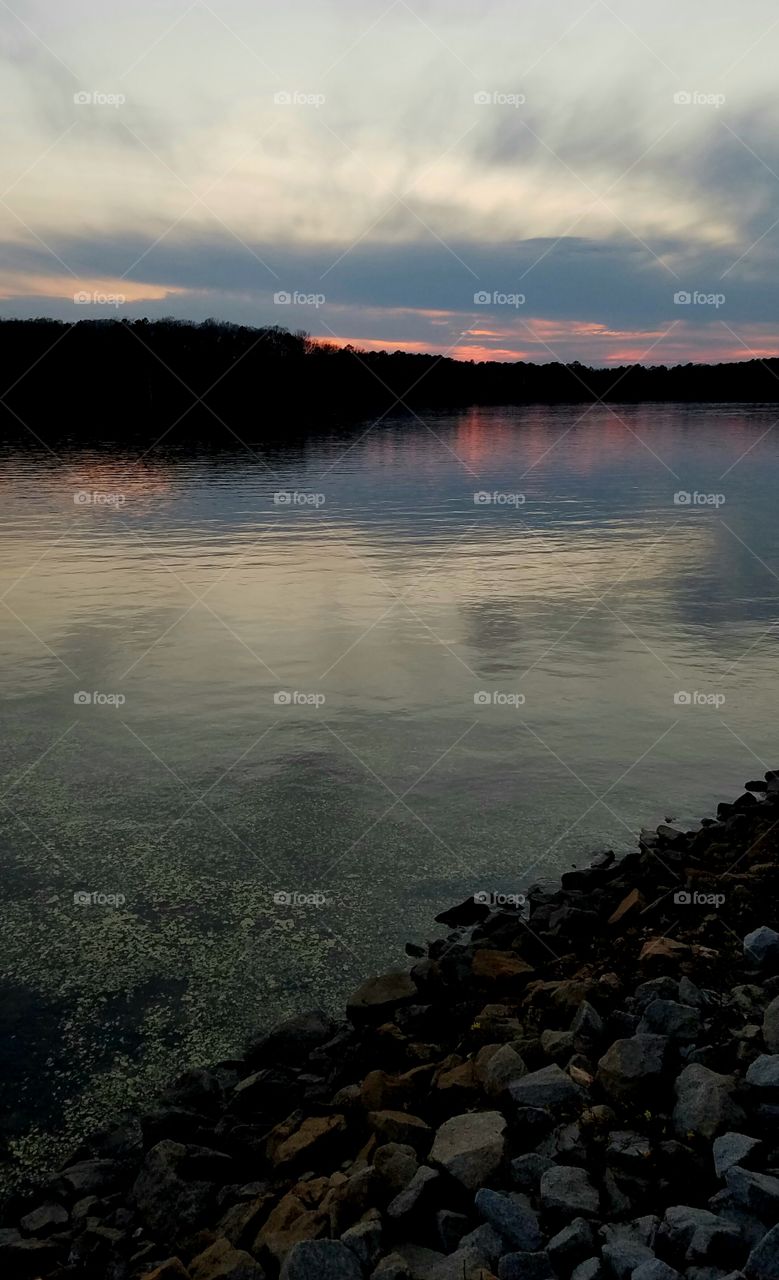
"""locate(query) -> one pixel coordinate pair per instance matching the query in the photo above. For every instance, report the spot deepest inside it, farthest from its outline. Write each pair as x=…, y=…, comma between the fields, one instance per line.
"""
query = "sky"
x=513, y=179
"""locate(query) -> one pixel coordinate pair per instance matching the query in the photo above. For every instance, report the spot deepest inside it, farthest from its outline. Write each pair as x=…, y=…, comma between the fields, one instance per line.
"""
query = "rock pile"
x=583, y=1088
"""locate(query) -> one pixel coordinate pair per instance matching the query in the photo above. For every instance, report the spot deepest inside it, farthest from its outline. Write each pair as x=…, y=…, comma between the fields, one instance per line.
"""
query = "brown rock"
x=399, y=1126
x=288, y=1223
x=500, y=967
x=379, y=1092
x=170, y=1269
x=663, y=953
x=241, y=1222
x=309, y=1142
x=221, y=1261
x=630, y=905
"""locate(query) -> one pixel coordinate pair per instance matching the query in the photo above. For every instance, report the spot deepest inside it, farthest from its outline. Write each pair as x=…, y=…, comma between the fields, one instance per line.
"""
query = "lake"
x=269, y=709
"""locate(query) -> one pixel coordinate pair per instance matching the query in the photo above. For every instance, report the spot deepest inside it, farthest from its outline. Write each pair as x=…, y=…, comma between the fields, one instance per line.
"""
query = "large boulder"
x=549, y=1087
x=290, y=1043
x=515, y=1223
x=705, y=1103
x=321, y=1260
x=376, y=998
x=177, y=1185
x=567, y=1193
x=763, y=1261
x=470, y=1147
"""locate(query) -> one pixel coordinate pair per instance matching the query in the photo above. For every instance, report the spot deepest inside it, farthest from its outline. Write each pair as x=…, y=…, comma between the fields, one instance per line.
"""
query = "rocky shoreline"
x=580, y=1086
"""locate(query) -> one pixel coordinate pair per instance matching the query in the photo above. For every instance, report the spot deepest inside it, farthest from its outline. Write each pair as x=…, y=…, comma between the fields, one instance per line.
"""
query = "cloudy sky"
x=534, y=179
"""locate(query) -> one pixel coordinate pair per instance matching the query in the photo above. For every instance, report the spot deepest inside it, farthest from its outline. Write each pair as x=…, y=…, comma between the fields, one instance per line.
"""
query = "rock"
x=761, y=949
x=771, y=1026
x=290, y=1043
x=482, y=1247
x=680, y=1223
x=44, y=1221
x=623, y=1257
x=715, y=1242
x=321, y=1260
x=668, y=1018
x=364, y=1239
x=395, y=1164
x=313, y=1139
x=549, y=1087
x=170, y=1269
x=763, y=1261
x=525, y=1266
x=499, y=1069
x=705, y=1103
x=27, y=1259
x=586, y=1028
x=566, y=1192
x=756, y=1192
x=409, y=1200
x=663, y=988
x=634, y=1069
x=419, y=1260
x=764, y=1072
x=401, y=1127
x=655, y=1270
x=516, y=1224
x=526, y=1170
x=176, y=1186
x=470, y=1147
x=629, y=905
x=375, y=998
x=732, y=1148
x=662, y=953
x=590, y=1269
x=557, y=1044
x=393, y=1267
x=471, y=911
x=572, y=1245
x=500, y=967
x=451, y=1227
x=223, y=1262
x=88, y=1178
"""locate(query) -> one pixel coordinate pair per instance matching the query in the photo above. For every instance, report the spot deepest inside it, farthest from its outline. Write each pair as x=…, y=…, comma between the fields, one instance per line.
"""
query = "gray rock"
x=504, y=1067
x=484, y=1245
x=549, y=1087
x=572, y=1245
x=622, y=1257
x=764, y=1072
x=629, y=1151
x=590, y=1269
x=393, y=1267
x=525, y=1266
x=364, y=1239
x=586, y=1028
x=526, y=1170
x=634, y=1068
x=470, y=1147
x=451, y=1227
x=408, y=1201
x=730, y=1149
x=656, y=989
x=395, y=1164
x=87, y=1178
x=771, y=1026
x=682, y=1221
x=376, y=997
x=761, y=949
x=419, y=1260
x=45, y=1220
x=715, y=1242
x=756, y=1192
x=678, y=1022
x=517, y=1225
x=557, y=1044
x=175, y=1187
x=566, y=1192
x=705, y=1103
x=320, y=1260
x=655, y=1270
x=692, y=995
x=763, y=1261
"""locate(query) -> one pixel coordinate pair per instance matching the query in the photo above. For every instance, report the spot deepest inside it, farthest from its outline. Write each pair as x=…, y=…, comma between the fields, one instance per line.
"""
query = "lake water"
x=381, y=600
